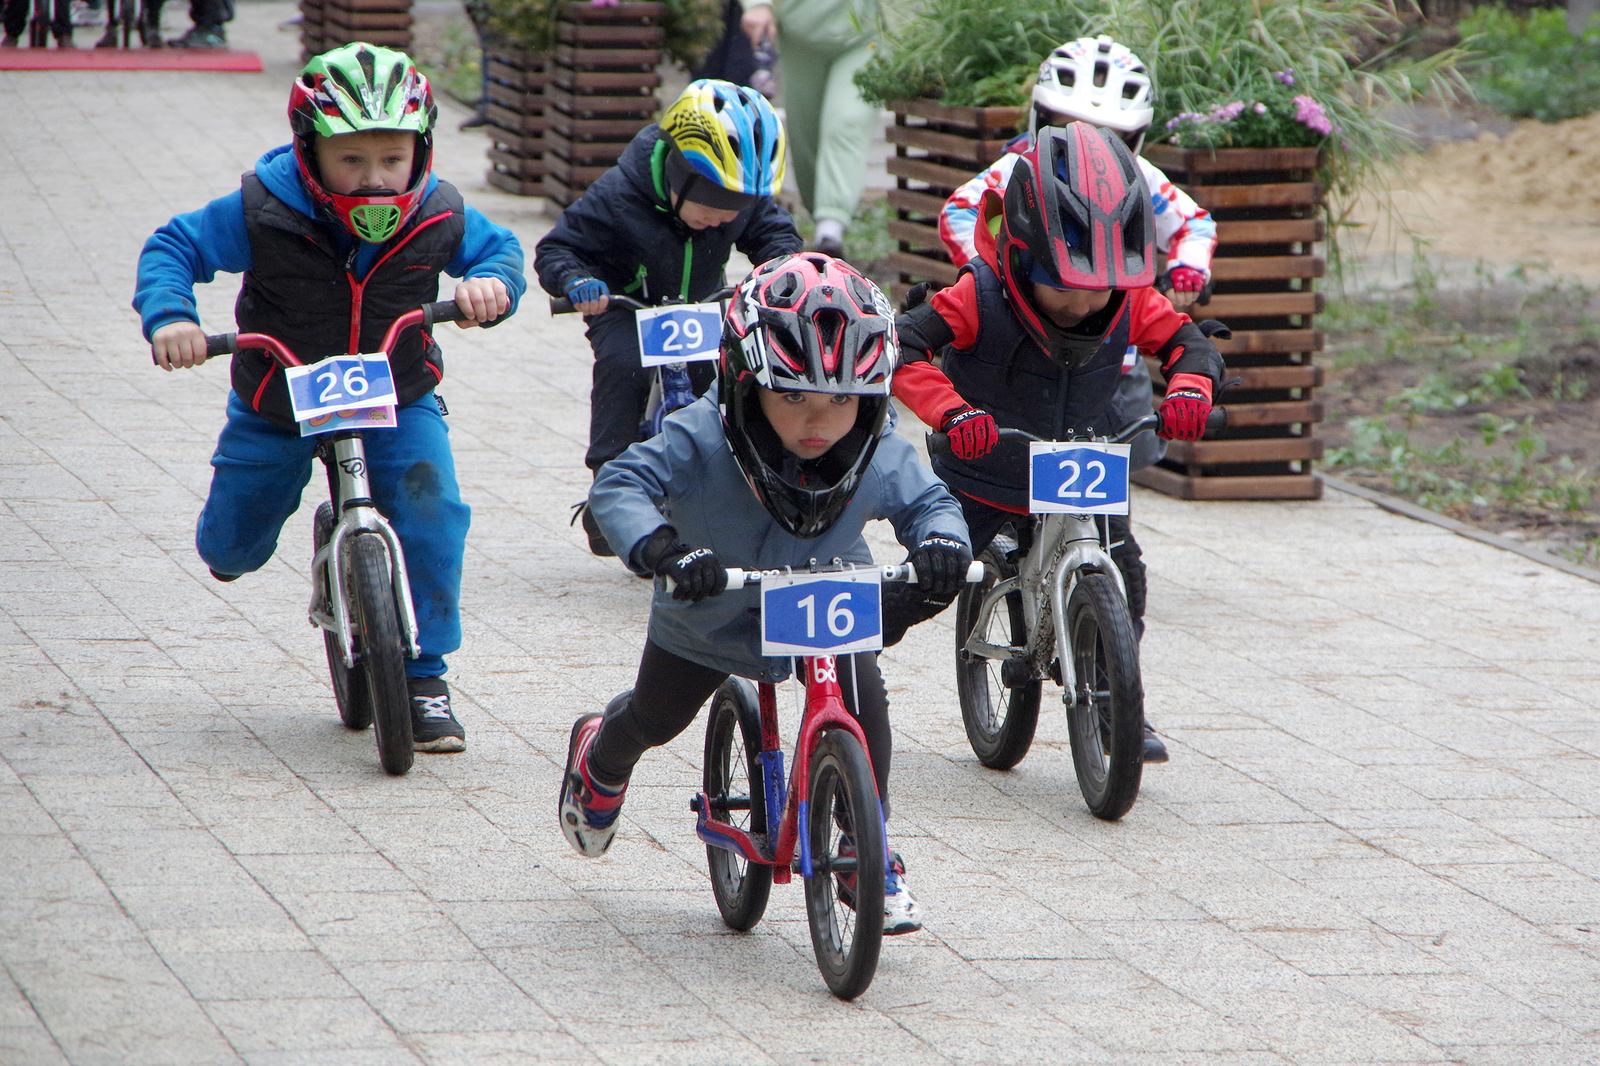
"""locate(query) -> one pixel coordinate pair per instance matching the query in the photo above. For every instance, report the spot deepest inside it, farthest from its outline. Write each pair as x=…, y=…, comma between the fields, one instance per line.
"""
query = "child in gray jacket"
x=786, y=463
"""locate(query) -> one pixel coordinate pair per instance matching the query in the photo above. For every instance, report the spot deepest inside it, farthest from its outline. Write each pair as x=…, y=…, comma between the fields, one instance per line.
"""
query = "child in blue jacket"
x=786, y=464
x=659, y=227
x=336, y=236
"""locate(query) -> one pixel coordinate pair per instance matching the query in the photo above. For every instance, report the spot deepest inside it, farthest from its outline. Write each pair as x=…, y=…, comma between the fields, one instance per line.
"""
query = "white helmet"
x=1094, y=80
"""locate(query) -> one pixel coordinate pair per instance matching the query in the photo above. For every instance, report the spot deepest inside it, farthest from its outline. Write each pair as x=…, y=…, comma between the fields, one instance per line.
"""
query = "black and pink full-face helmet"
x=1076, y=214
x=805, y=323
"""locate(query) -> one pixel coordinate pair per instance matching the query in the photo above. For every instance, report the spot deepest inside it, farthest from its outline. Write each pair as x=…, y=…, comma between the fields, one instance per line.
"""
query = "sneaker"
x=587, y=809
x=433, y=726
x=86, y=14
x=900, y=911
x=224, y=578
x=598, y=544
x=1154, y=749
x=201, y=37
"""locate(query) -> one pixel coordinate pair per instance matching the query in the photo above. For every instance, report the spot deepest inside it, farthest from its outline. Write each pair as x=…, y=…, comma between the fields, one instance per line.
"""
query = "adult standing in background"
x=824, y=43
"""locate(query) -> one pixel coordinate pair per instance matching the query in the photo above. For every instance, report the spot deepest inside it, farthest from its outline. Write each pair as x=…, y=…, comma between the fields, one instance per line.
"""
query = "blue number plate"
x=682, y=333
x=362, y=419
x=1077, y=478
x=818, y=614
x=342, y=383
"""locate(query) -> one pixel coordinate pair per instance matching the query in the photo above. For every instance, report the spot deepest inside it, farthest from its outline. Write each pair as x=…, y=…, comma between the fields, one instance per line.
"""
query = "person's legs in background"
x=14, y=17
x=805, y=76
x=209, y=17
x=841, y=160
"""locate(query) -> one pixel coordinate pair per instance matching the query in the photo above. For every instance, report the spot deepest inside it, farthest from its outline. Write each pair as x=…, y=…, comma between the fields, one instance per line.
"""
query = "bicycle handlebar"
x=939, y=443
x=424, y=316
x=905, y=572
x=560, y=305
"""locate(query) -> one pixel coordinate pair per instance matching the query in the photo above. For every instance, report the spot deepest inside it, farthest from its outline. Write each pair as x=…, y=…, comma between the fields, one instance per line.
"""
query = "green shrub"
x=1532, y=65
x=692, y=26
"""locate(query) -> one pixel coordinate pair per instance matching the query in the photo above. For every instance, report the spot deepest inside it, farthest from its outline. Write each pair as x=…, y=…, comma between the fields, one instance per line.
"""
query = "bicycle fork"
x=356, y=512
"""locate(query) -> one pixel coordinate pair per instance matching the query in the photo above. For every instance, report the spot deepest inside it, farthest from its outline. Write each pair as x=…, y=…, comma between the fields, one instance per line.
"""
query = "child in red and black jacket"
x=1033, y=335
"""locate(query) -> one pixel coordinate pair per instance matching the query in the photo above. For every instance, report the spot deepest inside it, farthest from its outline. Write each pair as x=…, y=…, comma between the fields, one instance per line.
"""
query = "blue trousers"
x=260, y=469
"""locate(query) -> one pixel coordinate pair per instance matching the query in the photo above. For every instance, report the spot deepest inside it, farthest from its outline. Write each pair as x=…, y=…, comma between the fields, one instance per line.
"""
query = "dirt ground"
x=1500, y=216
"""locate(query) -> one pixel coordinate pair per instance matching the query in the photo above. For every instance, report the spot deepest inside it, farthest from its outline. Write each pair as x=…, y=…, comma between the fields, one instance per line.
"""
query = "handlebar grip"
x=221, y=344
x=560, y=305
x=442, y=311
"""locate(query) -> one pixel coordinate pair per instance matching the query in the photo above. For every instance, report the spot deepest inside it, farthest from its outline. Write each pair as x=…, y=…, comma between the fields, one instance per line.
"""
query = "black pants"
x=904, y=606
x=622, y=387
x=15, y=17
x=210, y=14
x=670, y=690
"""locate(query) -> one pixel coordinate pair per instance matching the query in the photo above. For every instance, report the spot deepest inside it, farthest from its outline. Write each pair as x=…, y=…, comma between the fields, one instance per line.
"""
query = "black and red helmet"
x=1076, y=214
x=805, y=323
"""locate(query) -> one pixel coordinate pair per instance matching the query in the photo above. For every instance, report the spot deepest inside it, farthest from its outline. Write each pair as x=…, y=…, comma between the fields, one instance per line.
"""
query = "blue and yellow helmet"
x=728, y=145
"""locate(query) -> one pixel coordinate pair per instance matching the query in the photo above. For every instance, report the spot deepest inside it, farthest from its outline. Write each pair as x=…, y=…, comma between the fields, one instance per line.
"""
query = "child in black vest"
x=1034, y=332
x=336, y=235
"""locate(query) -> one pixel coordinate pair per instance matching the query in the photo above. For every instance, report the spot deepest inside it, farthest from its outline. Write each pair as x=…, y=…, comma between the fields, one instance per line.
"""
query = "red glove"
x=1184, y=411
x=972, y=433
x=1186, y=279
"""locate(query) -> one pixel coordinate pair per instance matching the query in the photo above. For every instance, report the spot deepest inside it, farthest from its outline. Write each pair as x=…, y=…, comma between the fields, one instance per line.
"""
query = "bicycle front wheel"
x=1000, y=720
x=383, y=658
x=349, y=683
x=734, y=789
x=1105, y=710
x=844, y=894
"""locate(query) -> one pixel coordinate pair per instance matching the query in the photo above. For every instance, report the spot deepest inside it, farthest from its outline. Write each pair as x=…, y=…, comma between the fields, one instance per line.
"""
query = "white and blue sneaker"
x=901, y=914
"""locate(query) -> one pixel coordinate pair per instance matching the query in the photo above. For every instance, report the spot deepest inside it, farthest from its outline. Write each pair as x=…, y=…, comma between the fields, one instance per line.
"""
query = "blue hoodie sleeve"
x=488, y=250
x=190, y=249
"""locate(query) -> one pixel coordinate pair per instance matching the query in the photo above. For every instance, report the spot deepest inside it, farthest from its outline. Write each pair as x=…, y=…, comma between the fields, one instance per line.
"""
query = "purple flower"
x=1260, y=108
x=1185, y=116
x=1227, y=112
x=1284, y=76
x=1309, y=113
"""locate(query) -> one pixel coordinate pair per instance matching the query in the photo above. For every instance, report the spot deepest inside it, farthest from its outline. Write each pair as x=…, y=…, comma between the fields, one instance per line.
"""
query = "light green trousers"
x=830, y=126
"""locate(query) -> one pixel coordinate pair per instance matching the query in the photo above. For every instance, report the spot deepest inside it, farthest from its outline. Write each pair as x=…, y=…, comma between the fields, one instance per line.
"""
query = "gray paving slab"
x=1378, y=839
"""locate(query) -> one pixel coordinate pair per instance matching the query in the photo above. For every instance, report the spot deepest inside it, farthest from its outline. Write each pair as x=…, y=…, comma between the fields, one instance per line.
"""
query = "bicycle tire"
x=349, y=683
x=999, y=737
x=1105, y=712
x=845, y=939
x=378, y=628
x=733, y=787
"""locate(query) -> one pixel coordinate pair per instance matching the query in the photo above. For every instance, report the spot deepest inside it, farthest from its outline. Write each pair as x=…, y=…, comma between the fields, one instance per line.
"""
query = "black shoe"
x=1154, y=749
x=831, y=246
x=477, y=120
x=202, y=37
x=597, y=540
x=224, y=578
x=433, y=724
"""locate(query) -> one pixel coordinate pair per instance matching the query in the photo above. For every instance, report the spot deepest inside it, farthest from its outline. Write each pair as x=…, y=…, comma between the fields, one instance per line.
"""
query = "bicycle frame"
x=345, y=457
x=824, y=709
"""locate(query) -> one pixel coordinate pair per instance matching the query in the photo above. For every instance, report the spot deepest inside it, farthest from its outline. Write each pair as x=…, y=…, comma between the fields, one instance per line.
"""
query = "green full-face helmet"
x=358, y=88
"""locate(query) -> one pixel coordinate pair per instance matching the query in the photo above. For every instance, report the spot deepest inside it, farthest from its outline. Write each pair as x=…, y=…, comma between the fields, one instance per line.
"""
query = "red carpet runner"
x=223, y=60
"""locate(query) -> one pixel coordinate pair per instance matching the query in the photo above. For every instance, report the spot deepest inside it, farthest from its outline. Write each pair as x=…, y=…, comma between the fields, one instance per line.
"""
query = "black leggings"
x=905, y=606
x=670, y=690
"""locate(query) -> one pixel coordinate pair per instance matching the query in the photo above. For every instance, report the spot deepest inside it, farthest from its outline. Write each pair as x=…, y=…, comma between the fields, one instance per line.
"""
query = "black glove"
x=694, y=573
x=941, y=561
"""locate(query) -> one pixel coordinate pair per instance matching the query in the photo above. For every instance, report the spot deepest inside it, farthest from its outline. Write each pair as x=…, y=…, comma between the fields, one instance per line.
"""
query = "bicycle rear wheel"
x=1000, y=721
x=846, y=939
x=349, y=683
x=1105, y=711
x=383, y=658
x=733, y=786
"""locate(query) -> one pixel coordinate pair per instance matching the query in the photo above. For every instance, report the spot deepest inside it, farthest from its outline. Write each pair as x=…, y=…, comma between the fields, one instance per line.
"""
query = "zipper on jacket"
x=358, y=288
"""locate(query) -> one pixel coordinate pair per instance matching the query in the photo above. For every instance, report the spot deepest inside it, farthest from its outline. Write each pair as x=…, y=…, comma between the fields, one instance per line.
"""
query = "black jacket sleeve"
x=771, y=233
x=585, y=232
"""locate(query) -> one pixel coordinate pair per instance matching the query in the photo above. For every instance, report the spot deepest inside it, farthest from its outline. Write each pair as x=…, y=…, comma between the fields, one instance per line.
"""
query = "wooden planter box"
x=518, y=114
x=601, y=91
x=328, y=24
x=936, y=149
x=1268, y=208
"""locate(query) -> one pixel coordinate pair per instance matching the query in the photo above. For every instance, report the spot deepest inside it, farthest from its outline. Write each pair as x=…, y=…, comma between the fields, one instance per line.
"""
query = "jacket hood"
x=279, y=171
x=635, y=164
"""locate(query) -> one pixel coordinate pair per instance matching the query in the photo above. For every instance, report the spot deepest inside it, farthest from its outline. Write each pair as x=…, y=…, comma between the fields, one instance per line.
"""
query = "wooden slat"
x=1233, y=232
x=607, y=58
x=922, y=203
x=1203, y=161
x=1285, y=413
x=601, y=153
x=518, y=145
x=924, y=171
x=513, y=121
x=1267, y=267
x=1264, y=341
x=1263, y=304
x=1257, y=378
x=629, y=13
x=606, y=81
x=923, y=267
x=520, y=165
x=372, y=20
x=1270, y=194
x=641, y=36
x=515, y=185
x=1253, y=487
x=983, y=119
x=584, y=105
x=1263, y=450
x=915, y=235
x=952, y=146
